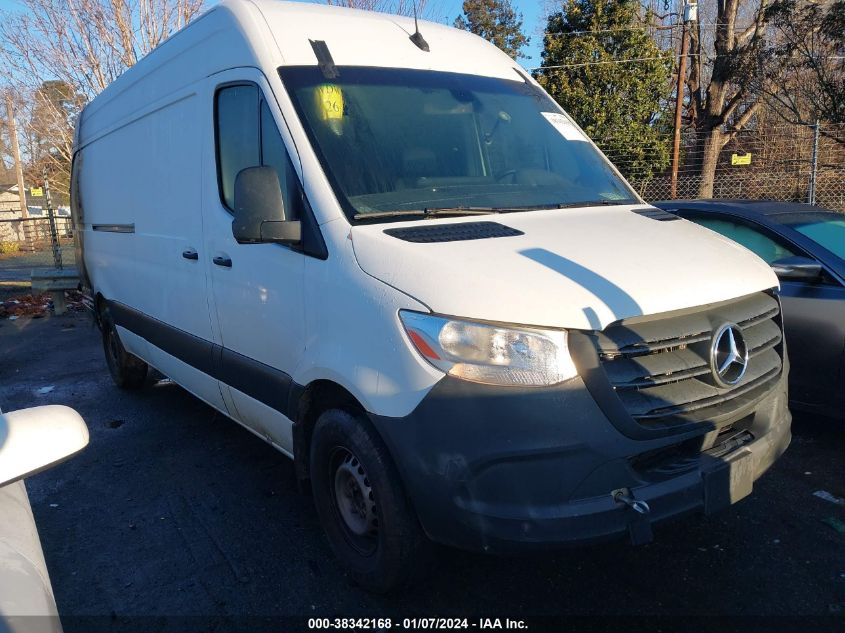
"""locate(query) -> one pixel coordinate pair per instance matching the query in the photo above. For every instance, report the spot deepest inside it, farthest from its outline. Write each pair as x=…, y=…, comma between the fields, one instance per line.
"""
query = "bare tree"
x=51, y=110
x=5, y=154
x=398, y=7
x=723, y=105
x=61, y=53
x=808, y=52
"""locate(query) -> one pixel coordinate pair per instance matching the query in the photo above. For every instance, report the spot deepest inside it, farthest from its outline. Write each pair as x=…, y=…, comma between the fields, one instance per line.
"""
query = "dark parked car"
x=805, y=245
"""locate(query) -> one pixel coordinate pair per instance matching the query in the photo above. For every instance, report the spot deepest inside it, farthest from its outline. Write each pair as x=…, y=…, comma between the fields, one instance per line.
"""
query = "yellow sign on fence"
x=744, y=159
x=36, y=192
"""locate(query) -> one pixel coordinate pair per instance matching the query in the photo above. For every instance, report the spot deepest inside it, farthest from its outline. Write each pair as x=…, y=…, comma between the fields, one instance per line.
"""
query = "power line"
x=611, y=61
x=621, y=29
x=667, y=56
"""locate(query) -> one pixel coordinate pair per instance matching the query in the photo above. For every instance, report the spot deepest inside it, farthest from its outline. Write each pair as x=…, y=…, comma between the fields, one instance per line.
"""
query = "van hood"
x=574, y=268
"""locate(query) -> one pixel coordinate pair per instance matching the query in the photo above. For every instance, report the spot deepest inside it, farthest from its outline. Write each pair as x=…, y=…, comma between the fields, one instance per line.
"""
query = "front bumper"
x=498, y=469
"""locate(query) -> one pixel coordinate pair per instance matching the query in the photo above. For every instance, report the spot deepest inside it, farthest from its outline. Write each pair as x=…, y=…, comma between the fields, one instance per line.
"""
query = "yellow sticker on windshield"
x=329, y=102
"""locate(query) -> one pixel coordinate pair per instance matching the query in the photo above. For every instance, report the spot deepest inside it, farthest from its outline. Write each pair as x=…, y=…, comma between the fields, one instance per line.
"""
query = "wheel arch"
x=309, y=403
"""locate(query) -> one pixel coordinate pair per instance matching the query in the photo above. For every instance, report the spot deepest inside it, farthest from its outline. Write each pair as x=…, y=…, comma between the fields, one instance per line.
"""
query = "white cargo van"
x=391, y=255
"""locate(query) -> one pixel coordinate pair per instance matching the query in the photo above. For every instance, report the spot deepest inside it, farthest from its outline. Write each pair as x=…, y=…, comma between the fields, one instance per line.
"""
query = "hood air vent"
x=656, y=214
x=462, y=232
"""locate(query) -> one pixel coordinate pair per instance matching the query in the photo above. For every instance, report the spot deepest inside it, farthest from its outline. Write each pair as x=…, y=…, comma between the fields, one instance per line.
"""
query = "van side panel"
x=142, y=138
x=212, y=43
x=143, y=207
x=143, y=185
x=168, y=220
x=109, y=220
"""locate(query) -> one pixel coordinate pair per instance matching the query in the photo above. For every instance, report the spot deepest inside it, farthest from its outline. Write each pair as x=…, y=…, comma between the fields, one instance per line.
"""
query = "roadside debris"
x=826, y=496
x=45, y=390
x=37, y=305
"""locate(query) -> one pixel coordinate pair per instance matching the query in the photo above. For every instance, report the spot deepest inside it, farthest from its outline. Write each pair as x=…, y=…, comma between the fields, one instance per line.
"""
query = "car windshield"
x=829, y=233
x=398, y=142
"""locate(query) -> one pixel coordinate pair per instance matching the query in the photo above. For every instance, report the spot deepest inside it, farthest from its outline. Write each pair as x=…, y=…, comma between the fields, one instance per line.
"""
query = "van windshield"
x=395, y=142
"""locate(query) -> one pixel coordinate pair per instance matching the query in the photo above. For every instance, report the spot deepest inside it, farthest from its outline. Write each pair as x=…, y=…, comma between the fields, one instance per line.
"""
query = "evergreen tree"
x=621, y=105
x=497, y=22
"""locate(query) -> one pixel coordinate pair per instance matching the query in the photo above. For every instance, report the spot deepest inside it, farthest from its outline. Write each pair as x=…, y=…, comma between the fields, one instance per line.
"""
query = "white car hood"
x=574, y=268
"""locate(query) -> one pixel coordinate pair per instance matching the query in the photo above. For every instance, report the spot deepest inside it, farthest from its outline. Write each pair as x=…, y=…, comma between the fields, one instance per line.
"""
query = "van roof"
x=367, y=38
x=267, y=34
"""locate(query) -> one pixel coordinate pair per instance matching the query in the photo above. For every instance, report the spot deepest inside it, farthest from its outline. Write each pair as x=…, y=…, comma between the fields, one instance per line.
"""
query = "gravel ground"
x=176, y=512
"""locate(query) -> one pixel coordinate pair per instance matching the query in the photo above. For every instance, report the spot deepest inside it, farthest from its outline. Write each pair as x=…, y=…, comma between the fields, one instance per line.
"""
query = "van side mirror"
x=32, y=440
x=797, y=268
x=260, y=209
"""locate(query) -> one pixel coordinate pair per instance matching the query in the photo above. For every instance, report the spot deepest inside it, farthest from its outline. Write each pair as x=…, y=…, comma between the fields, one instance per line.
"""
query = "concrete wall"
x=10, y=230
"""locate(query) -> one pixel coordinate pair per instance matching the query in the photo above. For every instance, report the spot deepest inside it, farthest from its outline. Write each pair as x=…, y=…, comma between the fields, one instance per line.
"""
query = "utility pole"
x=16, y=152
x=690, y=15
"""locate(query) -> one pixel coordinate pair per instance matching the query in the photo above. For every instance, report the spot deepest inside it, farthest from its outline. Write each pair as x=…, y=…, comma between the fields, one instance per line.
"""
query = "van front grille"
x=660, y=367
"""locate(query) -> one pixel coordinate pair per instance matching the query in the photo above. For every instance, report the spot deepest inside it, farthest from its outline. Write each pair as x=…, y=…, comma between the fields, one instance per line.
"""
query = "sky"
x=533, y=15
x=447, y=10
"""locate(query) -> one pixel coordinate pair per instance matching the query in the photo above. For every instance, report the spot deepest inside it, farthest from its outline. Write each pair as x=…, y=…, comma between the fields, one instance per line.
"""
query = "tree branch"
x=741, y=122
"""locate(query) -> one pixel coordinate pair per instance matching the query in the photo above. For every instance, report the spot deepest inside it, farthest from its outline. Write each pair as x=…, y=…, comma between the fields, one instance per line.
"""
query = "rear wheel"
x=127, y=371
x=365, y=513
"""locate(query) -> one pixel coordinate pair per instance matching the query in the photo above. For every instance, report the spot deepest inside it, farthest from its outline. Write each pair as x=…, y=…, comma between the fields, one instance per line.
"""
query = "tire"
x=375, y=534
x=127, y=371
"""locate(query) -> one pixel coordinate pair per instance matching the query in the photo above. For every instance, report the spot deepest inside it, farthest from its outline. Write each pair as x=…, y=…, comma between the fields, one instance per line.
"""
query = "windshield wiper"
x=594, y=203
x=460, y=211
x=431, y=212
x=426, y=213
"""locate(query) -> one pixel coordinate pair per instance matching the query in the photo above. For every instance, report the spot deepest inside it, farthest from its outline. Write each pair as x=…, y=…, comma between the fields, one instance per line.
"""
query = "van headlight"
x=492, y=354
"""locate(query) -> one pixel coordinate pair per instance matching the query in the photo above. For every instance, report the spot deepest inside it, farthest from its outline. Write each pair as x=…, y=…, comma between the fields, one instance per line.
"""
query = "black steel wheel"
x=367, y=517
x=354, y=501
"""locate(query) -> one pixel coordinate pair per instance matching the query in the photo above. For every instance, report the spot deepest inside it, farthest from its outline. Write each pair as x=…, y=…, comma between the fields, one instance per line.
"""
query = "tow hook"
x=639, y=516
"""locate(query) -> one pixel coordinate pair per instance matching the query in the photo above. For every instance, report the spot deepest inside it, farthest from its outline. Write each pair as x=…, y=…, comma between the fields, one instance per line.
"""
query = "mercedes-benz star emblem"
x=728, y=355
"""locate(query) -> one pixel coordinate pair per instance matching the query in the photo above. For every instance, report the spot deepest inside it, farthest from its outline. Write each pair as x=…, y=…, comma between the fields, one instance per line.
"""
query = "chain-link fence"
x=776, y=161
x=785, y=186
x=33, y=243
x=799, y=163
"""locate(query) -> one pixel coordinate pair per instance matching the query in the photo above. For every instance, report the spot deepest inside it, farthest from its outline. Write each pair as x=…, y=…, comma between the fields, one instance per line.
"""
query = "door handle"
x=223, y=260
x=190, y=254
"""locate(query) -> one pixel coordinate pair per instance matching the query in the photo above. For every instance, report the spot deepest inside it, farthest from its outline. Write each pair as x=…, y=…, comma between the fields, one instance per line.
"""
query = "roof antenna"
x=417, y=37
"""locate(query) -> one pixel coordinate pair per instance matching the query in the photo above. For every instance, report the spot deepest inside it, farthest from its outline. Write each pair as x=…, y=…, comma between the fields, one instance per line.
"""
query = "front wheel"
x=368, y=519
